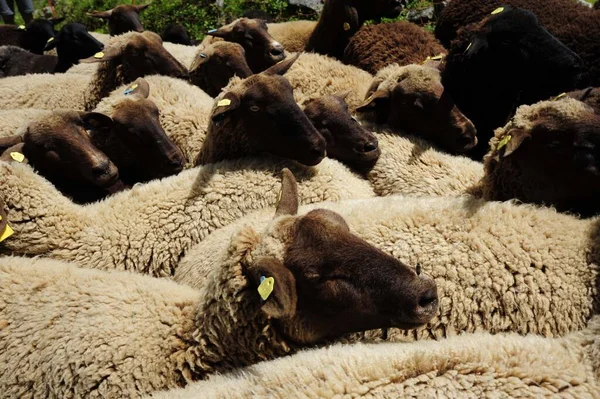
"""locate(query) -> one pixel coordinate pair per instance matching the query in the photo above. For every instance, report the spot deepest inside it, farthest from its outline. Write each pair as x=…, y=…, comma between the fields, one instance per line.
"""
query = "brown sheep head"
x=259, y=115
x=216, y=64
x=59, y=147
x=347, y=140
x=262, y=51
x=412, y=99
x=137, y=142
x=123, y=18
x=329, y=282
x=549, y=153
x=143, y=54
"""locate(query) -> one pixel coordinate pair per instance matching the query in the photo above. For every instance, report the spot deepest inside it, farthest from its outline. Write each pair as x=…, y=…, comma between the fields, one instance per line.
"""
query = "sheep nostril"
x=101, y=170
x=276, y=50
x=428, y=298
x=370, y=146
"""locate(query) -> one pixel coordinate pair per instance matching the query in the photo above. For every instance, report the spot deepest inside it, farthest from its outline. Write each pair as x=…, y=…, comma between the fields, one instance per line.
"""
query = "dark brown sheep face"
x=430, y=114
x=273, y=122
x=331, y=282
x=262, y=51
x=377, y=9
x=137, y=126
x=123, y=18
x=38, y=32
x=60, y=145
x=215, y=65
x=555, y=162
x=144, y=54
x=347, y=140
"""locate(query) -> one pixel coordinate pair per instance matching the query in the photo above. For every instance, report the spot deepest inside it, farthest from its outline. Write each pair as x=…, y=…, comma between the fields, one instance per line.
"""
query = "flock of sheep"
x=416, y=211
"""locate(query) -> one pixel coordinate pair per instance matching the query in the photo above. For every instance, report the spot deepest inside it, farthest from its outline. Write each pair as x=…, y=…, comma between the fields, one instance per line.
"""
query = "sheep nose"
x=367, y=146
x=428, y=299
x=175, y=165
x=101, y=170
x=276, y=49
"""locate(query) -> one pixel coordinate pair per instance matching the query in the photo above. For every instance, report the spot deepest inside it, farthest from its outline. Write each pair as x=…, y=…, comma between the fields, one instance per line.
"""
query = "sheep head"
x=328, y=282
x=143, y=54
x=58, y=146
x=38, y=32
x=412, y=99
x=347, y=140
x=73, y=43
x=146, y=152
x=259, y=115
x=123, y=18
x=262, y=51
x=216, y=64
x=549, y=153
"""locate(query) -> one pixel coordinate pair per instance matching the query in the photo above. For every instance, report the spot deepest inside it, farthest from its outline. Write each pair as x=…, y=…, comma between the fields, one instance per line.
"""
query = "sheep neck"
x=232, y=331
x=109, y=76
x=334, y=28
x=224, y=140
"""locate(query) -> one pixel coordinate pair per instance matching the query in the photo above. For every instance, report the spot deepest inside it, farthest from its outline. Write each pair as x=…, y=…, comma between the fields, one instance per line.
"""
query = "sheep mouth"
x=108, y=181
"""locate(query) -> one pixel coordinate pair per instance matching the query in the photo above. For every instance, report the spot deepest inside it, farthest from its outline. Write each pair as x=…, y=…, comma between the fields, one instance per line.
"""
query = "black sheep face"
x=73, y=43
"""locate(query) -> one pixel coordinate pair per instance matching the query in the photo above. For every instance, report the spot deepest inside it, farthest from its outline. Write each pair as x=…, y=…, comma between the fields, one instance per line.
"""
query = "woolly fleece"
x=149, y=228
x=293, y=35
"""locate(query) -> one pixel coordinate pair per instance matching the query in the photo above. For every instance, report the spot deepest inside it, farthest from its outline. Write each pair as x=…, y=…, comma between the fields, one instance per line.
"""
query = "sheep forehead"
x=417, y=78
x=276, y=238
x=564, y=109
x=60, y=123
x=275, y=85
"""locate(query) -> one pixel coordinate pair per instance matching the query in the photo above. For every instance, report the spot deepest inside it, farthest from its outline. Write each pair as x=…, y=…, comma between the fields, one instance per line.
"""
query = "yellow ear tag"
x=99, y=55
x=17, y=156
x=22, y=27
x=346, y=26
x=503, y=142
x=497, y=10
x=266, y=287
x=9, y=232
x=131, y=89
x=49, y=40
x=561, y=95
x=224, y=102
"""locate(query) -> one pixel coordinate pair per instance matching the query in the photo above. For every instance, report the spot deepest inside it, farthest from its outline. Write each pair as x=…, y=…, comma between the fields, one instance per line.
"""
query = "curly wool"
x=293, y=35
x=502, y=180
x=499, y=267
x=374, y=47
x=574, y=24
x=473, y=365
x=149, y=228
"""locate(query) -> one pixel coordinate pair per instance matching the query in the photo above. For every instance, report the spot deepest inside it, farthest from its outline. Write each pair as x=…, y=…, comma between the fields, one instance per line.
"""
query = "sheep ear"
x=96, y=121
x=276, y=287
x=477, y=44
x=227, y=103
x=223, y=32
x=200, y=59
x=52, y=43
x=140, y=89
x=10, y=156
x=288, y=198
x=343, y=95
x=281, y=67
x=100, y=14
x=7, y=142
x=56, y=21
x=517, y=137
x=350, y=18
x=142, y=7
x=379, y=97
x=105, y=55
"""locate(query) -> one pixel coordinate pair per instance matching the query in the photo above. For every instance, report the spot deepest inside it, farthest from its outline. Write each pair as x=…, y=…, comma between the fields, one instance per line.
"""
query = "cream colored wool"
x=83, y=69
x=293, y=35
x=314, y=75
x=410, y=166
x=67, y=332
x=14, y=121
x=149, y=228
x=470, y=366
x=184, y=54
x=184, y=111
x=499, y=267
x=103, y=38
x=51, y=91
x=416, y=78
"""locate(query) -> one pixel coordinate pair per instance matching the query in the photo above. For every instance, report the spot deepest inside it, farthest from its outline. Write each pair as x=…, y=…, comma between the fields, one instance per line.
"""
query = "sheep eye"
x=202, y=55
x=254, y=108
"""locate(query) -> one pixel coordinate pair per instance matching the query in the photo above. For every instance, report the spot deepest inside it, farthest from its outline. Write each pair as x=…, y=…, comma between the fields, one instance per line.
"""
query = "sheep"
x=471, y=365
x=126, y=335
x=259, y=115
x=176, y=34
x=340, y=19
x=546, y=155
x=58, y=146
x=32, y=37
x=374, y=47
x=72, y=42
x=122, y=19
x=216, y=64
x=126, y=58
x=589, y=96
x=506, y=60
x=148, y=228
x=573, y=24
x=262, y=51
x=499, y=267
x=293, y=35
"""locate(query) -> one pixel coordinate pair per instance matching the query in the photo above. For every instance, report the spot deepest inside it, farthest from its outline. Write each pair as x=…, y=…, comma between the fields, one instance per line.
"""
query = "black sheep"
x=574, y=24
x=506, y=60
x=175, y=33
x=32, y=37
